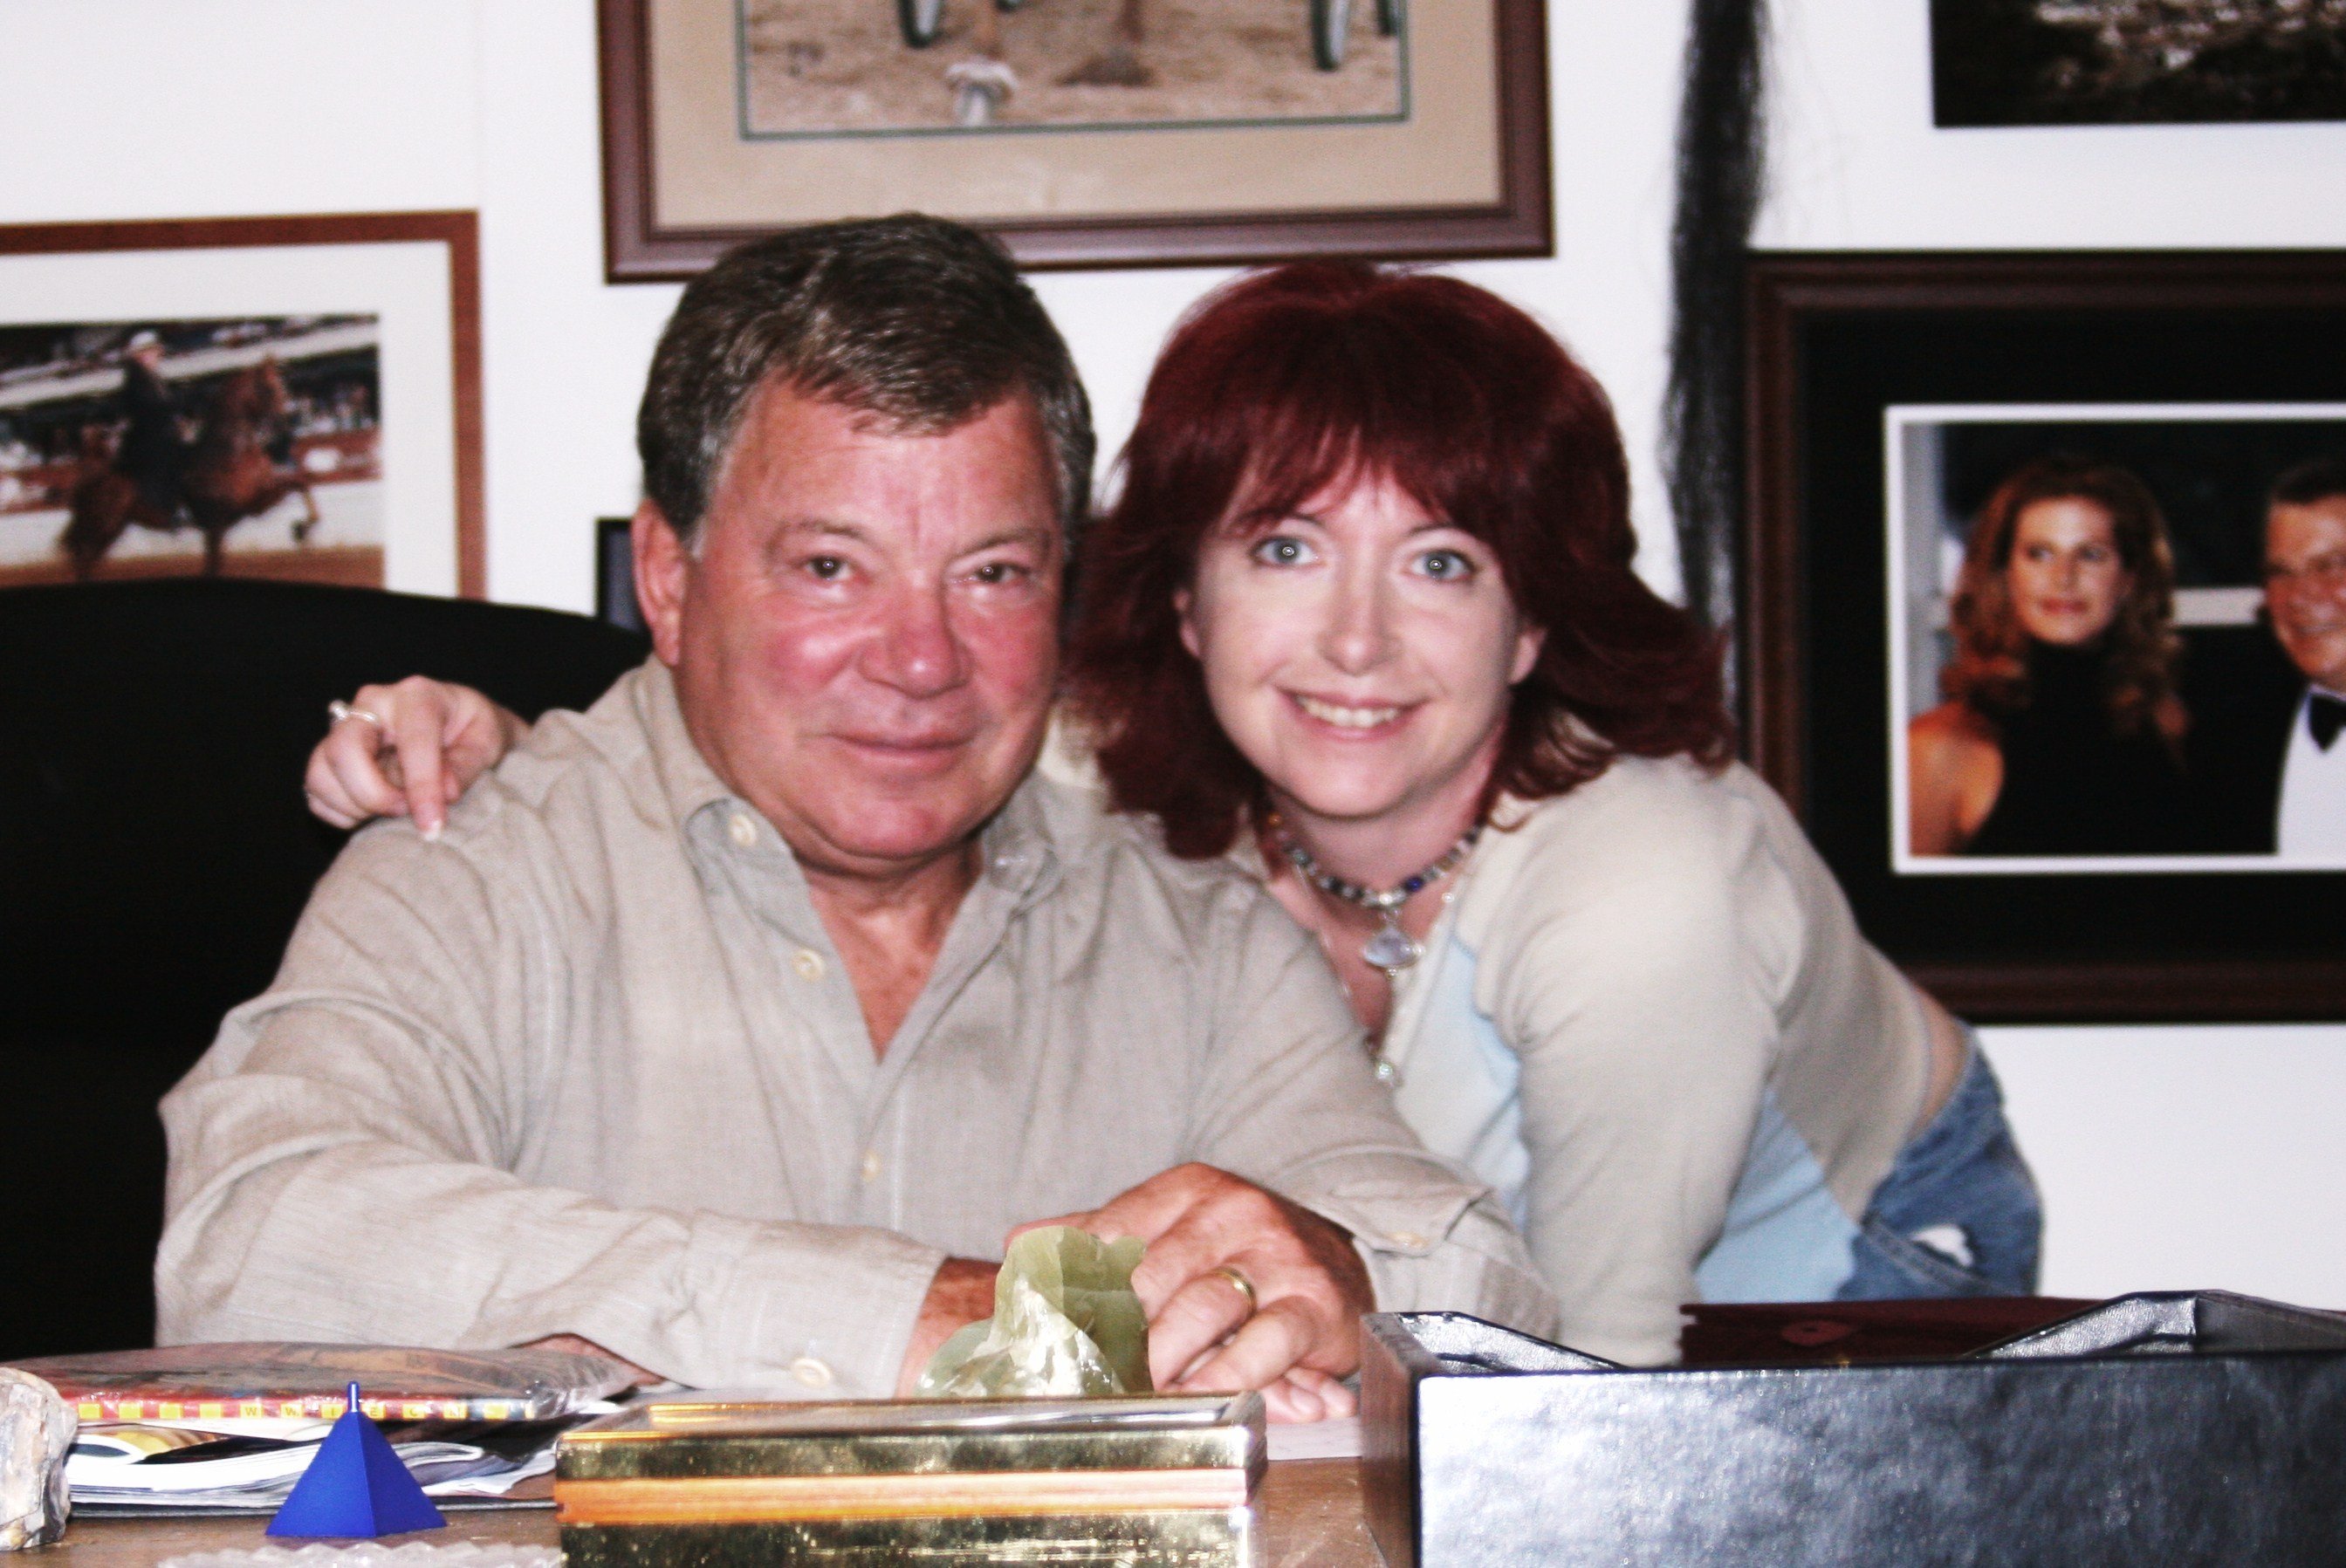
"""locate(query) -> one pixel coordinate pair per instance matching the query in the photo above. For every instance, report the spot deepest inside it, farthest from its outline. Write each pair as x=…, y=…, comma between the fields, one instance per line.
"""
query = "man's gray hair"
x=923, y=322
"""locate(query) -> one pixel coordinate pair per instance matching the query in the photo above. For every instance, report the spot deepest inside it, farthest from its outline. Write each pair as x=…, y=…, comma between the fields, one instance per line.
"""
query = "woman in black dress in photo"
x=2062, y=733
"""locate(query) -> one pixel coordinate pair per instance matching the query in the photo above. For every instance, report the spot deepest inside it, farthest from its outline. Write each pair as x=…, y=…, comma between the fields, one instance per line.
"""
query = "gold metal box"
x=732, y=1484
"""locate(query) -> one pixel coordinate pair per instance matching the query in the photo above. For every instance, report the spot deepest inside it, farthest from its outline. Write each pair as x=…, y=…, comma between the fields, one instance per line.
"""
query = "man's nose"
x=917, y=650
x=1358, y=635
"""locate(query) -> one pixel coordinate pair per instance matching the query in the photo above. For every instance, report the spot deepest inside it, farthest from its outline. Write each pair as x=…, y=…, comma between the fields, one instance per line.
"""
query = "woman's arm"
x=408, y=749
x=1955, y=771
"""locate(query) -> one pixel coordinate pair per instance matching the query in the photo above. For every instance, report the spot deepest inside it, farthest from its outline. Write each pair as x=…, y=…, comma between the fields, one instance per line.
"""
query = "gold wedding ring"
x=1240, y=1283
x=342, y=710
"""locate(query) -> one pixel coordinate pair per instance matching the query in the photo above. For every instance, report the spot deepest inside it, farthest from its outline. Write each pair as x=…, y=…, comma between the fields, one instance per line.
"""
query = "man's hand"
x=1301, y=1331
x=961, y=1293
x=426, y=743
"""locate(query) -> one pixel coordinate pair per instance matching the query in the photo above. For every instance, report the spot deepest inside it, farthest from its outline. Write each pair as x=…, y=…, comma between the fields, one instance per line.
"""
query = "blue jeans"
x=1958, y=1213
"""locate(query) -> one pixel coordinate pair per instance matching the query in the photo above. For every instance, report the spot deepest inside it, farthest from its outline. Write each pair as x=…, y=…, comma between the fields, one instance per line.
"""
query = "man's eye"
x=996, y=573
x=1445, y=566
x=826, y=568
x=1283, y=550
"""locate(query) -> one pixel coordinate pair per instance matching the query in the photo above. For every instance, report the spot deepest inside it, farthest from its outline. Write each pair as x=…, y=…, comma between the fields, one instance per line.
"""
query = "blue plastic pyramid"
x=355, y=1488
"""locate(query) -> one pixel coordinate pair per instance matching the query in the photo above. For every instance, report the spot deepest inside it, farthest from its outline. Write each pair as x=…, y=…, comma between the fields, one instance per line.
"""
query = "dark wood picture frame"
x=1835, y=339
x=458, y=230
x=637, y=249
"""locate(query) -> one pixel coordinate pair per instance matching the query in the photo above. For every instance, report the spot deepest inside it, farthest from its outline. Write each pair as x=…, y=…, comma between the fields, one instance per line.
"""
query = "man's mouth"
x=1346, y=716
x=906, y=745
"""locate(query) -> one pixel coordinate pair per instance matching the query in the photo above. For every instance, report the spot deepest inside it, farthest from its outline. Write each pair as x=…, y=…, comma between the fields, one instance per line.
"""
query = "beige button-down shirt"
x=590, y=1064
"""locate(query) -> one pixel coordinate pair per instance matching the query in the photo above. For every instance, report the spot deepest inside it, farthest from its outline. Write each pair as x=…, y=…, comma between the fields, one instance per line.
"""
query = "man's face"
x=2305, y=586
x=865, y=642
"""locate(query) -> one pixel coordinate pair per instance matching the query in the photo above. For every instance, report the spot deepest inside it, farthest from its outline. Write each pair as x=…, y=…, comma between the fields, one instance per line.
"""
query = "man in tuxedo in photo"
x=2305, y=599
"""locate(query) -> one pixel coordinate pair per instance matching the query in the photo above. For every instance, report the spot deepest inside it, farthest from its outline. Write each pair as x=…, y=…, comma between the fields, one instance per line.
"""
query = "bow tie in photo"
x=2325, y=716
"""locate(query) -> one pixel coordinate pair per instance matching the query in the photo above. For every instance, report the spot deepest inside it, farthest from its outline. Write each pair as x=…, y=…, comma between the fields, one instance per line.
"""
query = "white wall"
x=2169, y=1157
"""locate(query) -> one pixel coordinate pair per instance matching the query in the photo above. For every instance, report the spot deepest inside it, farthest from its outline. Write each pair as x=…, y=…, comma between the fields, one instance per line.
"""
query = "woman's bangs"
x=1359, y=420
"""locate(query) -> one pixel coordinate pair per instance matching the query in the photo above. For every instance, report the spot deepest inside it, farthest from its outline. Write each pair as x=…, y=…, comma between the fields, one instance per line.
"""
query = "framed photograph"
x=2136, y=62
x=1085, y=133
x=294, y=398
x=2045, y=582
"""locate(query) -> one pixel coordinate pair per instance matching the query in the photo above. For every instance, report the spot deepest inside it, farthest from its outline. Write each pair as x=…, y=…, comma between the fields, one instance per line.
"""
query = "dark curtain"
x=1721, y=150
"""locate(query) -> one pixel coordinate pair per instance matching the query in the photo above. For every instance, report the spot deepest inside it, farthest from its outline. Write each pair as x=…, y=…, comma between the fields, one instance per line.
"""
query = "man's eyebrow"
x=1016, y=533
x=826, y=527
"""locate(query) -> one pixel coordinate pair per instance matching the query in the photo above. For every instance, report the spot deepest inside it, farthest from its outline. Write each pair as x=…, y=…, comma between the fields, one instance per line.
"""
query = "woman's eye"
x=1445, y=566
x=1283, y=550
x=826, y=568
x=996, y=573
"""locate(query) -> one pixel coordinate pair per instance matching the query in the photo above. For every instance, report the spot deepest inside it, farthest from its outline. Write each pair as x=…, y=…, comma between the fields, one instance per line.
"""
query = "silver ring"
x=342, y=710
x=1240, y=1283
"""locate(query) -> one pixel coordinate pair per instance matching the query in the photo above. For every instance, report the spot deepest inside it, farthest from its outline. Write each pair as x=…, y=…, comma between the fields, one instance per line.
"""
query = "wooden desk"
x=1311, y=1512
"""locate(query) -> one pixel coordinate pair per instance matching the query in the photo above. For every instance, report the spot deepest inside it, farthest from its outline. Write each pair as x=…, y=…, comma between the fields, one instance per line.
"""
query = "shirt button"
x=808, y=963
x=811, y=1372
x=871, y=1165
x=1406, y=1239
x=741, y=829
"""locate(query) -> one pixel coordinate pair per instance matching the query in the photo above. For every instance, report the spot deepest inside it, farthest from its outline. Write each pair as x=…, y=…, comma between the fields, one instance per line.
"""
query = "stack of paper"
x=144, y=1467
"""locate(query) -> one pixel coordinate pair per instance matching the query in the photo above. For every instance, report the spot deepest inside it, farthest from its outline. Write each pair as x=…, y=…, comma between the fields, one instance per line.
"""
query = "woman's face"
x=1359, y=652
x=2066, y=576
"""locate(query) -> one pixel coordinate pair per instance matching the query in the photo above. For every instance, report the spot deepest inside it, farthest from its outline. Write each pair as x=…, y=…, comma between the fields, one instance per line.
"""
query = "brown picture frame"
x=458, y=231
x=639, y=249
x=1836, y=341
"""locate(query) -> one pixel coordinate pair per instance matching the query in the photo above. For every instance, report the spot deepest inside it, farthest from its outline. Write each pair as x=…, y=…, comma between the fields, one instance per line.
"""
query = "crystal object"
x=1391, y=949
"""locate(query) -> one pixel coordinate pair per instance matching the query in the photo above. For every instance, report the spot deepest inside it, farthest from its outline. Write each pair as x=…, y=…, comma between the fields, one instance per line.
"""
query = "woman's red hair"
x=1286, y=381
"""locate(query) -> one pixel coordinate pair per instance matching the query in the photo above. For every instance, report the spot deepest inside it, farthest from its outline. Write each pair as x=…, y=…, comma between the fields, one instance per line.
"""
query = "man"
x=153, y=453
x=730, y=1025
x=2305, y=597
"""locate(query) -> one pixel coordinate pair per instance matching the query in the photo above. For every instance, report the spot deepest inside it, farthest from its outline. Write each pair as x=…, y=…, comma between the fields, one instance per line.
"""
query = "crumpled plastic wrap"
x=1066, y=1325
x=36, y=1429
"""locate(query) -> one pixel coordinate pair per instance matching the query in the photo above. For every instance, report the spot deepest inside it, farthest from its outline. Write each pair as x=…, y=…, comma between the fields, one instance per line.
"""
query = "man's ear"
x=662, y=565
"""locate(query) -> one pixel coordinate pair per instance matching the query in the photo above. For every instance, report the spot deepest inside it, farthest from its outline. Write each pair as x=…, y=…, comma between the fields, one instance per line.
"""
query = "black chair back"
x=153, y=854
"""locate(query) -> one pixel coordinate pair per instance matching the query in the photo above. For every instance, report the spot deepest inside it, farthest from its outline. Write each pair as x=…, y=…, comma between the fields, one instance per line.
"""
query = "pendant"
x=1393, y=949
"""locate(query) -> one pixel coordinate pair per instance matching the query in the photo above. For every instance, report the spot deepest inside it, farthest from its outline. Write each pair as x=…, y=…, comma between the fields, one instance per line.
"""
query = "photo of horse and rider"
x=249, y=447
x=834, y=67
x=2121, y=639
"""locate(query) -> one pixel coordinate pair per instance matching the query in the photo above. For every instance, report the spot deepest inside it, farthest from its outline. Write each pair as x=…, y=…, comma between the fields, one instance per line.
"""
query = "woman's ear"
x=1183, y=600
x=1528, y=643
x=661, y=563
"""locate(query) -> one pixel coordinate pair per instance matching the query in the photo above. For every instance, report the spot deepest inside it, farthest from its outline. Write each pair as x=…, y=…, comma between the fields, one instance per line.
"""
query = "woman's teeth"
x=1347, y=717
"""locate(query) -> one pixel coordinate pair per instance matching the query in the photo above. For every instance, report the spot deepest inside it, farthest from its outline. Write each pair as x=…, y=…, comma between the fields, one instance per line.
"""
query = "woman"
x=2062, y=733
x=1364, y=618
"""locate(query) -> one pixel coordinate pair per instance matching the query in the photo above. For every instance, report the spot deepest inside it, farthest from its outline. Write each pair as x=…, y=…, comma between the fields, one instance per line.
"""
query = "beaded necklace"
x=1391, y=949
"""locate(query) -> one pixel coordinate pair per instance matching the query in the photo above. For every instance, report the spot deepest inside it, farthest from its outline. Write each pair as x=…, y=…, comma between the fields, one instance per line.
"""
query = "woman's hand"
x=408, y=749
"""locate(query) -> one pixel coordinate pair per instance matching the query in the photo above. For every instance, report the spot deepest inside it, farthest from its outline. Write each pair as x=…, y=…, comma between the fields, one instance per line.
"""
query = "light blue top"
x=1785, y=1237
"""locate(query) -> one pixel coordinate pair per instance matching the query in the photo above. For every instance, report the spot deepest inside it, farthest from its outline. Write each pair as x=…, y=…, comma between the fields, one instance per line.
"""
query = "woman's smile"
x=1351, y=717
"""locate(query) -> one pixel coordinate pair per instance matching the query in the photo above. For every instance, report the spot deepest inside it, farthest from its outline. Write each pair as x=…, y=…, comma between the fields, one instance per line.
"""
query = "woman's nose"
x=1359, y=633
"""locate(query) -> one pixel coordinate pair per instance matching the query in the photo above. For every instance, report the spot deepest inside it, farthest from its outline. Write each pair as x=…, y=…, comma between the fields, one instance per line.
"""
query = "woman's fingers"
x=416, y=713
x=346, y=774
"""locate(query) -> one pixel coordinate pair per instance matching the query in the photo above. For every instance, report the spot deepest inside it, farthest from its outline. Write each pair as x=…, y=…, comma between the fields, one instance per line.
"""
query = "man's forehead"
x=2294, y=531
